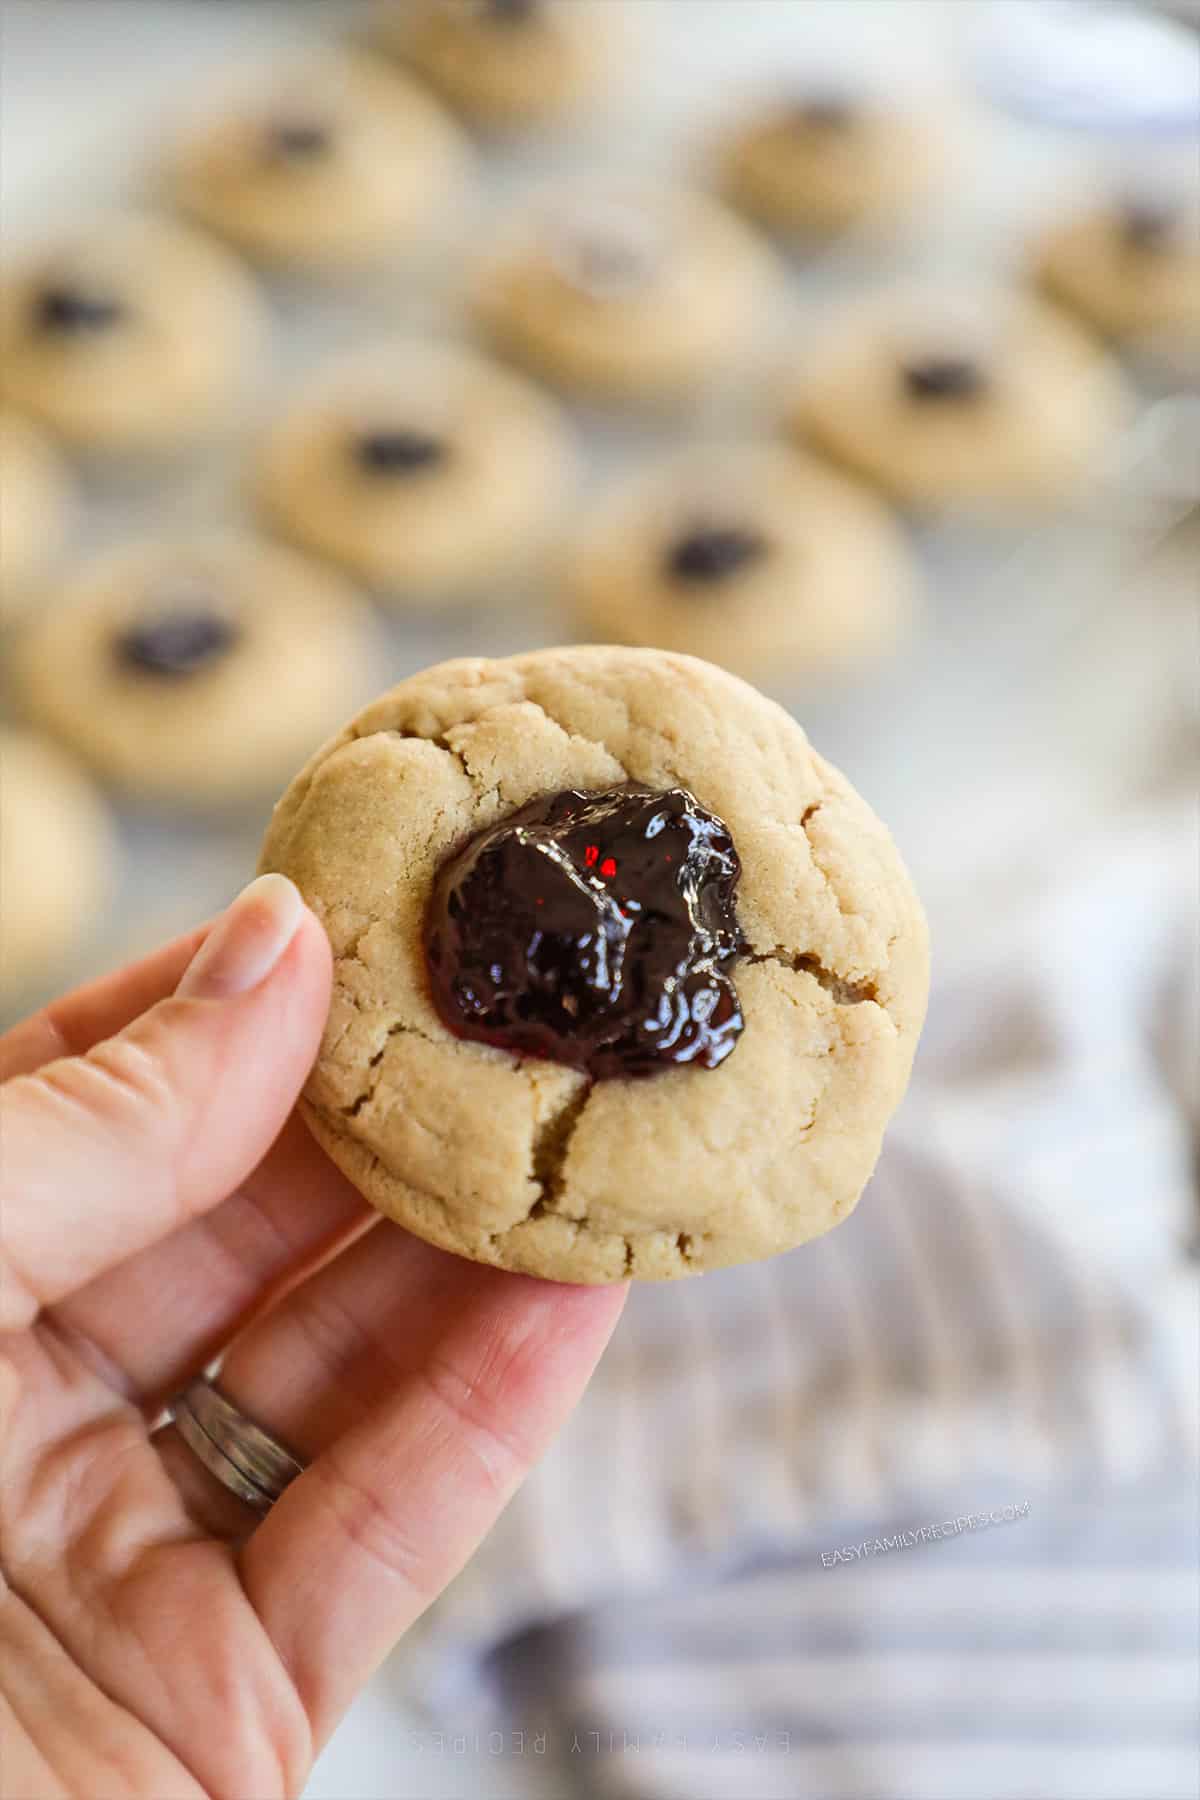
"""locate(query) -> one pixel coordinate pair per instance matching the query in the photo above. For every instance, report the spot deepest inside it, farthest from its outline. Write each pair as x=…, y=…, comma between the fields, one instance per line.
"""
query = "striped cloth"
x=910, y=1514
x=1054, y=1658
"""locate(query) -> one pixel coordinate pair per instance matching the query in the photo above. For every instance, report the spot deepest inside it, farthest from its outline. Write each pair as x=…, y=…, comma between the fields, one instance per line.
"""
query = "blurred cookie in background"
x=982, y=401
x=428, y=471
x=632, y=297
x=748, y=555
x=132, y=335
x=1130, y=266
x=827, y=160
x=57, y=861
x=506, y=64
x=330, y=165
x=196, y=672
x=35, y=509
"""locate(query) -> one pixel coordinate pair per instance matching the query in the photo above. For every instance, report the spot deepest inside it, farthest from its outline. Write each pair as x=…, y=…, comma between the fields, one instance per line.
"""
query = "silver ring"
x=243, y=1457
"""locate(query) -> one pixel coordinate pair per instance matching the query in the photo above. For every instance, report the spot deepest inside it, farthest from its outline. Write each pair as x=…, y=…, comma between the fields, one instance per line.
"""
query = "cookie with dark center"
x=1146, y=226
x=176, y=641
x=944, y=378
x=593, y=929
x=709, y=555
x=297, y=140
x=62, y=310
x=823, y=111
x=399, y=450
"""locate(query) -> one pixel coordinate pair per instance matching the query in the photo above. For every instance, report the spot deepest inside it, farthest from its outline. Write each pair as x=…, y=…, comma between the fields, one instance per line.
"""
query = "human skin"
x=160, y=1201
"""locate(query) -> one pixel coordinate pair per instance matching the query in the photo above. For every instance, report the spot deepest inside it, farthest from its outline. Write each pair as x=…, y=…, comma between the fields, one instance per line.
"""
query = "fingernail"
x=246, y=942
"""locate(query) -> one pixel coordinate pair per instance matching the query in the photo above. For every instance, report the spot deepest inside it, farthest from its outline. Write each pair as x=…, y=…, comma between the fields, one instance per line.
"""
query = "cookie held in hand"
x=627, y=979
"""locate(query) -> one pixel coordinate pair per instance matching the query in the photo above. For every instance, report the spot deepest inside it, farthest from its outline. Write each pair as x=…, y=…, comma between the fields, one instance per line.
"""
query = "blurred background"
x=980, y=600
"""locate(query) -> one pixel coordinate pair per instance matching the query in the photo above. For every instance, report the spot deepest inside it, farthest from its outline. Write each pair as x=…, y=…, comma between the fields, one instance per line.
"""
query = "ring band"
x=243, y=1457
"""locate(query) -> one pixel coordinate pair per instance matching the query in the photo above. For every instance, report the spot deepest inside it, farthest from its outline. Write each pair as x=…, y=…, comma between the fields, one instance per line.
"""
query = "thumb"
x=105, y=1153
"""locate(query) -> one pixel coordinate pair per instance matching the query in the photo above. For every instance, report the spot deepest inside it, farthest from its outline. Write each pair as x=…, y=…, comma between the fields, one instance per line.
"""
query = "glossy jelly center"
x=712, y=554
x=593, y=929
x=944, y=378
x=398, y=452
x=176, y=642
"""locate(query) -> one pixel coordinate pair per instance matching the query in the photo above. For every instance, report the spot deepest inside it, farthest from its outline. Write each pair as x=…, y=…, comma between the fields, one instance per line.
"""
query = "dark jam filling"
x=712, y=554
x=1147, y=226
x=944, y=378
x=398, y=452
x=297, y=140
x=593, y=929
x=73, y=312
x=176, y=642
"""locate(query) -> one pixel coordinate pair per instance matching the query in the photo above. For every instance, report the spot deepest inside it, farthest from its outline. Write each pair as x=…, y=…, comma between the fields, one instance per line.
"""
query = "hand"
x=160, y=1199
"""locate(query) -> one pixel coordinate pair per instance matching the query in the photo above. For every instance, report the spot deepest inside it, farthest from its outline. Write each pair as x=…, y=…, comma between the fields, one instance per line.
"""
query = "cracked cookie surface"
x=528, y=1164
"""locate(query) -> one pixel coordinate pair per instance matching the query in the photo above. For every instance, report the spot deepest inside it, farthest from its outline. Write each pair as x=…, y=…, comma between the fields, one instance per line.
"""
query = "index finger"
x=72, y=1024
